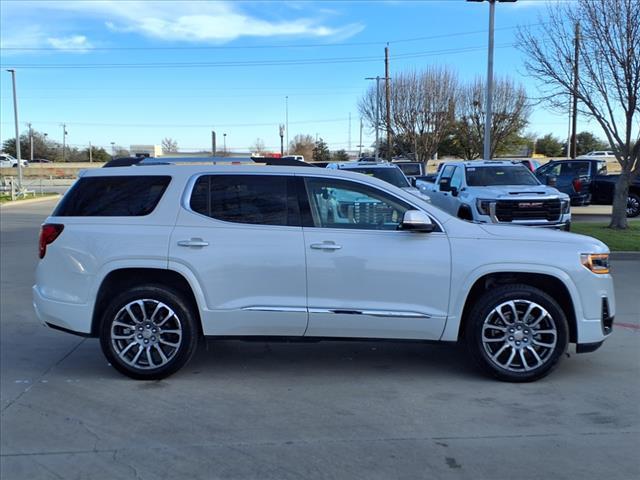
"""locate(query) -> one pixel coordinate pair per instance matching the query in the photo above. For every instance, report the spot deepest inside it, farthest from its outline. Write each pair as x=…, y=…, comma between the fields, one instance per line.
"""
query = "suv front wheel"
x=516, y=333
x=148, y=332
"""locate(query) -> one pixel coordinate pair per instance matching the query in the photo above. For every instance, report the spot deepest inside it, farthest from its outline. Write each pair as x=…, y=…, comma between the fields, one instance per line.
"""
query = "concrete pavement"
x=370, y=410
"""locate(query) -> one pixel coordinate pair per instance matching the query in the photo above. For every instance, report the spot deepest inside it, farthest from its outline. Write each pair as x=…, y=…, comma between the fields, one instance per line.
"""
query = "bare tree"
x=169, y=145
x=422, y=107
x=302, y=145
x=609, y=78
x=510, y=114
x=258, y=146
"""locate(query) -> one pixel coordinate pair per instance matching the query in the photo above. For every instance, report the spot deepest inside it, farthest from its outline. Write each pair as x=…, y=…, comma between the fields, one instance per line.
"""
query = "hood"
x=515, y=192
x=416, y=192
x=544, y=235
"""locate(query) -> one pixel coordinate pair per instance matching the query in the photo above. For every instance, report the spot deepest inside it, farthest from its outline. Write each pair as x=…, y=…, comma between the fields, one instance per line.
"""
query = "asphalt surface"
x=327, y=410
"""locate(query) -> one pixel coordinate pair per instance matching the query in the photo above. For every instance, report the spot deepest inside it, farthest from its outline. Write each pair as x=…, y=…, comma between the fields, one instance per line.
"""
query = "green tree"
x=97, y=155
x=549, y=146
x=321, y=152
x=588, y=142
x=42, y=146
x=340, y=156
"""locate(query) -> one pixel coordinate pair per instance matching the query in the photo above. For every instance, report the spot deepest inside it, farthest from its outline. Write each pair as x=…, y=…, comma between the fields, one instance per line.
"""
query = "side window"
x=445, y=178
x=456, y=179
x=575, y=169
x=602, y=168
x=552, y=169
x=253, y=199
x=113, y=196
x=342, y=204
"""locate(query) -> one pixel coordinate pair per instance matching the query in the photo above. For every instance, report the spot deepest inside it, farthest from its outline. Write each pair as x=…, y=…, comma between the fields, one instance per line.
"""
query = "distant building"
x=151, y=150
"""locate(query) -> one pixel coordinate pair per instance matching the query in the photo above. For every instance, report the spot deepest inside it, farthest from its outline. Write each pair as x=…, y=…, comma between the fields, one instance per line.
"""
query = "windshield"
x=410, y=168
x=390, y=175
x=500, y=175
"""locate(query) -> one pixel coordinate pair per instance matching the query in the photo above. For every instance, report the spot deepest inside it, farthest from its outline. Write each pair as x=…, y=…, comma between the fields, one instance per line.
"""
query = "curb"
x=28, y=201
x=624, y=255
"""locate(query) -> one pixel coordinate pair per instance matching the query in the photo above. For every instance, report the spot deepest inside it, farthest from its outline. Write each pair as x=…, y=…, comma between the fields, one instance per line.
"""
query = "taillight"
x=577, y=185
x=48, y=233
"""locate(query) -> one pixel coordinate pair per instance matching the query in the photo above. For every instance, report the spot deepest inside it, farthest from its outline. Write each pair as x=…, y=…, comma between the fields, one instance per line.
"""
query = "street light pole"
x=489, y=94
x=15, y=116
x=224, y=144
x=489, y=89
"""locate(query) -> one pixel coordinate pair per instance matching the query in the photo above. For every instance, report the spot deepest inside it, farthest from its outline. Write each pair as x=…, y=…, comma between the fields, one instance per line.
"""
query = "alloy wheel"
x=146, y=334
x=519, y=335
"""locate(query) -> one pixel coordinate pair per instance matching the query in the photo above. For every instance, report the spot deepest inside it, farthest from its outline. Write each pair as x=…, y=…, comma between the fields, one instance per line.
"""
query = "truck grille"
x=509, y=210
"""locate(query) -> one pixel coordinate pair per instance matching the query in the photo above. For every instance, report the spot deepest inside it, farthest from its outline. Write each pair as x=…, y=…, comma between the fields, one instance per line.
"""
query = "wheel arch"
x=557, y=285
x=120, y=279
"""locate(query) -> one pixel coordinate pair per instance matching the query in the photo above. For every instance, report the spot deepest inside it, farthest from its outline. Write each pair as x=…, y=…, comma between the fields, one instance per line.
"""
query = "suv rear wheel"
x=148, y=332
x=517, y=333
x=633, y=205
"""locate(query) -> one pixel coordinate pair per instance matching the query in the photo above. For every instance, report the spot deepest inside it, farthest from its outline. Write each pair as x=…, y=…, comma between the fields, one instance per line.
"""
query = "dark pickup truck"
x=586, y=182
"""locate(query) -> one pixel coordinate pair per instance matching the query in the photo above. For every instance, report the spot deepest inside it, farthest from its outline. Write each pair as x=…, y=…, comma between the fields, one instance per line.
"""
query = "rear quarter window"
x=114, y=196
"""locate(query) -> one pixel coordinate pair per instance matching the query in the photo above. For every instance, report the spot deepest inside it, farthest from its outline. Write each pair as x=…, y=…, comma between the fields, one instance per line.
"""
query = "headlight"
x=566, y=206
x=596, y=262
x=483, y=206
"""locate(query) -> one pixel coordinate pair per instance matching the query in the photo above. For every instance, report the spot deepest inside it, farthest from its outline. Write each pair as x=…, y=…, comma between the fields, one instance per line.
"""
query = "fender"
x=459, y=296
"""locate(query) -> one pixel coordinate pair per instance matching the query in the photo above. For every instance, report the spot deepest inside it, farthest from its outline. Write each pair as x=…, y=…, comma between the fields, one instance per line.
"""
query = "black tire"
x=465, y=213
x=169, y=348
x=633, y=205
x=484, y=312
x=567, y=227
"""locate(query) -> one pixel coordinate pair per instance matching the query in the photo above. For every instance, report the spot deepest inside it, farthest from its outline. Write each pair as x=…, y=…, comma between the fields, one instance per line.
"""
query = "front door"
x=366, y=278
x=240, y=239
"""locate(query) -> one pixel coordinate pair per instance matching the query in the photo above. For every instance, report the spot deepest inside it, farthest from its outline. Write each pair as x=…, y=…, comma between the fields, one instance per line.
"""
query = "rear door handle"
x=325, y=246
x=193, y=242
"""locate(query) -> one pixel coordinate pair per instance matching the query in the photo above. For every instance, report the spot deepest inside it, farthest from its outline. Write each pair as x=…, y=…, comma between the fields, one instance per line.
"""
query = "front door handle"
x=193, y=242
x=325, y=246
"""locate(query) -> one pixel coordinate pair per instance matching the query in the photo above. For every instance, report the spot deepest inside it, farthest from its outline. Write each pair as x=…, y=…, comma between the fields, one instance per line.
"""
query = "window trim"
x=185, y=202
x=303, y=198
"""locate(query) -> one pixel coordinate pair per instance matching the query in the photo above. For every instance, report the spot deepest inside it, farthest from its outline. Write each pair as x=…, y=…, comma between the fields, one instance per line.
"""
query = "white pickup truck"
x=492, y=191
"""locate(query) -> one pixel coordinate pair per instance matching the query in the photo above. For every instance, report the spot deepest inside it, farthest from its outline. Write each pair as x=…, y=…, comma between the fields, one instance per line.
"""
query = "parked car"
x=532, y=165
x=8, y=161
x=389, y=172
x=411, y=169
x=148, y=259
x=587, y=182
x=599, y=154
x=497, y=192
x=40, y=160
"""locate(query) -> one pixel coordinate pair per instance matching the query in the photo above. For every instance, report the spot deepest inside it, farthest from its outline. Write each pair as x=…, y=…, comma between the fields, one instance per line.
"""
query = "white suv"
x=150, y=258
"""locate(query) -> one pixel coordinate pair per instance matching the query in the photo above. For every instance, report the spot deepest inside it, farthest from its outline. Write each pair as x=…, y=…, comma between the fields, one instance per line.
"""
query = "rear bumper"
x=70, y=317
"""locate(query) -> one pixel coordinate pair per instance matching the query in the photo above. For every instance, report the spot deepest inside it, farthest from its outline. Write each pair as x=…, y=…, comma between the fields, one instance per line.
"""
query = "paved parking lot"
x=326, y=410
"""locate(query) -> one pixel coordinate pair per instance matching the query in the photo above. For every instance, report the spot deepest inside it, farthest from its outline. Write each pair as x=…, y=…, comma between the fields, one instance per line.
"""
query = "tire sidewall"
x=168, y=296
x=492, y=299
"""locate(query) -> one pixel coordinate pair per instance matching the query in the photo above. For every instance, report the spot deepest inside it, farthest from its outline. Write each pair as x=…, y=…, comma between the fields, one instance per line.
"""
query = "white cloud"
x=76, y=43
x=203, y=22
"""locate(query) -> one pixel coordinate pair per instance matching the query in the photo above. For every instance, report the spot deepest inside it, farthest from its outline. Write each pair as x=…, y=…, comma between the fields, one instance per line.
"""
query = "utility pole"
x=574, y=117
x=64, y=141
x=224, y=144
x=387, y=87
x=30, y=142
x=377, y=79
x=213, y=143
x=349, y=141
x=360, y=145
x=15, y=116
x=90, y=153
x=286, y=120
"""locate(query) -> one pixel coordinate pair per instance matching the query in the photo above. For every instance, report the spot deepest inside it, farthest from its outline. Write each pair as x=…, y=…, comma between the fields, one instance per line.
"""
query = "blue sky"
x=255, y=54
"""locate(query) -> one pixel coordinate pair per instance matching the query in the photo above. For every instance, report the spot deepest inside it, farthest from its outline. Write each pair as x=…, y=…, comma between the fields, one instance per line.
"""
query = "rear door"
x=239, y=237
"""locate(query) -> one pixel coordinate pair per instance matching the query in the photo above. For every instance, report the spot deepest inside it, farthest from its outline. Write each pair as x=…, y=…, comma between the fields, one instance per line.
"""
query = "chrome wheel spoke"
x=122, y=337
x=121, y=324
x=511, y=357
x=126, y=349
x=171, y=344
x=528, y=312
x=536, y=356
x=162, y=355
x=149, y=357
x=543, y=344
x=169, y=315
x=539, y=319
x=137, y=356
x=524, y=360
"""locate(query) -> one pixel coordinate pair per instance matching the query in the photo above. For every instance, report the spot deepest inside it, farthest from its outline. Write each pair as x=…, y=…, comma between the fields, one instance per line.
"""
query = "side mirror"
x=454, y=191
x=445, y=185
x=412, y=180
x=551, y=180
x=417, y=221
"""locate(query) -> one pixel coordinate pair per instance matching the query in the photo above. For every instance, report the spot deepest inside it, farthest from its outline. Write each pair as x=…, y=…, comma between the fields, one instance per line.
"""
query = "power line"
x=254, y=63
